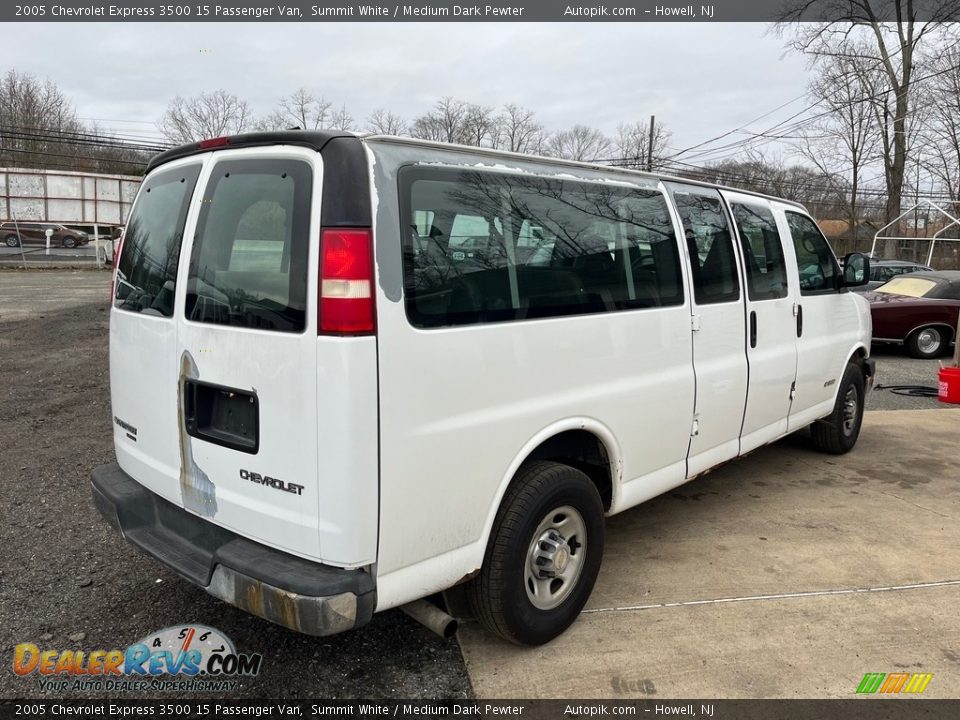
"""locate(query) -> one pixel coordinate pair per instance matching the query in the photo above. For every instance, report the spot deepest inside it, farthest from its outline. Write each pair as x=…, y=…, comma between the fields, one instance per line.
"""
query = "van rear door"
x=228, y=399
x=143, y=328
x=245, y=363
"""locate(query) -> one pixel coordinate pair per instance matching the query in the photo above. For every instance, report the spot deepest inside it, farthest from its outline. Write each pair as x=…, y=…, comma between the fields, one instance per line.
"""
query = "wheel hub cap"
x=850, y=411
x=555, y=558
x=551, y=556
x=929, y=341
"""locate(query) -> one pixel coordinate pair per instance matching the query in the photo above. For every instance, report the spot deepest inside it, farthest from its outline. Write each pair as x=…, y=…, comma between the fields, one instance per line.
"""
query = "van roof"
x=317, y=139
x=314, y=139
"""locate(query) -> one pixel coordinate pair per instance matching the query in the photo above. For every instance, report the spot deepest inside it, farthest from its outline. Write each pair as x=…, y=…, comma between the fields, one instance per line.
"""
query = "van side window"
x=818, y=267
x=505, y=247
x=147, y=267
x=762, y=252
x=248, y=266
x=709, y=245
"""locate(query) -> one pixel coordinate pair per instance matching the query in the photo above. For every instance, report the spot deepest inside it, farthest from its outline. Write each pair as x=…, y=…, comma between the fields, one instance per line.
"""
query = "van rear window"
x=147, y=267
x=501, y=247
x=248, y=266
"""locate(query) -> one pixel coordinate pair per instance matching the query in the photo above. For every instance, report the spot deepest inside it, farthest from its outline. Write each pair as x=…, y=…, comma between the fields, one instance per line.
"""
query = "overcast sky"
x=699, y=79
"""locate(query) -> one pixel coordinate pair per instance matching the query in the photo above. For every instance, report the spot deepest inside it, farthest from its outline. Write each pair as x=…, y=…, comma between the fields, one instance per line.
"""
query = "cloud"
x=699, y=79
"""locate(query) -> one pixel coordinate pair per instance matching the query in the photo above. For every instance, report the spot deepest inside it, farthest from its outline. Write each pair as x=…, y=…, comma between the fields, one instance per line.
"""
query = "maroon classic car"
x=918, y=310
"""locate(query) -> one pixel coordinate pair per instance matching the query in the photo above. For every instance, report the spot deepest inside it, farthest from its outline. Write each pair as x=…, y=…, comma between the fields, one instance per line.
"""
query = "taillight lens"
x=346, y=282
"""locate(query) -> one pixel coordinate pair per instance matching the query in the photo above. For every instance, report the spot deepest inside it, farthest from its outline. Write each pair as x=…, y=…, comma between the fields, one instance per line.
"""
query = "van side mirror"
x=856, y=270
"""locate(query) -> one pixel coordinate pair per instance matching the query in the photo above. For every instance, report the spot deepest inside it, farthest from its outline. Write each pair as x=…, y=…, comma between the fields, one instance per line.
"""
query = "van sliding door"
x=771, y=326
x=719, y=330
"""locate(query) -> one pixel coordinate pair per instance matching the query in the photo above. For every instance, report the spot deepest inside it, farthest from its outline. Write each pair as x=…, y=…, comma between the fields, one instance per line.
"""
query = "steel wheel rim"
x=11, y=241
x=851, y=410
x=555, y=558
x=928, y=341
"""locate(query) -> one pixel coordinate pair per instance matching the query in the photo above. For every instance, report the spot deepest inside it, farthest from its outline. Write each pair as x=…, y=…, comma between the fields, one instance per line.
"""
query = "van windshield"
x=248, y=266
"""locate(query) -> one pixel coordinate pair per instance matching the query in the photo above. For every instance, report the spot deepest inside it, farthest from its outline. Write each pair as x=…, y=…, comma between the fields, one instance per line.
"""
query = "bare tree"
x=847, y=138
x=479, y=126
x=39, y=128
x=943, y=123
x=517, y=130
x=300, y=109
x=34, y=116
x=889, y=35
x=447, y=122
x=203, y=116
x=384, y=122
x=580, y=142
x=633, y=140
x=341, y=119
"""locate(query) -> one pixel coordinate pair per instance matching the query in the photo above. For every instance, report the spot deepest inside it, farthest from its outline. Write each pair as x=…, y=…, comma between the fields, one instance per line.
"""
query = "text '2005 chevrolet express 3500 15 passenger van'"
x=350, y=372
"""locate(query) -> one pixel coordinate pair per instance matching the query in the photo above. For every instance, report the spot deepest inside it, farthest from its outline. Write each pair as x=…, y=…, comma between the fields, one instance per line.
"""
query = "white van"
x=350, y=372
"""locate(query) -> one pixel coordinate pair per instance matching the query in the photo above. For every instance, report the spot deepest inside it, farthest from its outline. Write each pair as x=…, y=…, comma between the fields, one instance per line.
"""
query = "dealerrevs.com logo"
x=182, y=658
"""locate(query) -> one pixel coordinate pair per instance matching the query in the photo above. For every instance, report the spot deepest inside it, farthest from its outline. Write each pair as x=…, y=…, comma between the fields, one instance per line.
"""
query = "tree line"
x=451, y=120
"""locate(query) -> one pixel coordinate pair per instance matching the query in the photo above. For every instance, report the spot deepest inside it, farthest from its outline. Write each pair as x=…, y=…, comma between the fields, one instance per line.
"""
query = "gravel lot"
x=65, y=573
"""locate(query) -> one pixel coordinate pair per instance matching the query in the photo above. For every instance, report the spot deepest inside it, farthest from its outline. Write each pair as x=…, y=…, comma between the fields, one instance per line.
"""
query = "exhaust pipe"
x=431, y=617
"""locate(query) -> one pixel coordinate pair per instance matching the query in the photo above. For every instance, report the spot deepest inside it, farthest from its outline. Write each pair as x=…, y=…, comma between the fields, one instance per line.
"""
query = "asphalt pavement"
x=785, y=520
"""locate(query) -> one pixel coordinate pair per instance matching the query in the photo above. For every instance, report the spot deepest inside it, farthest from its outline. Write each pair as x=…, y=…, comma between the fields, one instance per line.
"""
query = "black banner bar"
x=891, y=708
x=466, y=11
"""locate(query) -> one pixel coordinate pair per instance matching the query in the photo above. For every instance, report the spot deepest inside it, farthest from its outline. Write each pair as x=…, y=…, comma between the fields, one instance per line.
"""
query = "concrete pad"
x=866, y=546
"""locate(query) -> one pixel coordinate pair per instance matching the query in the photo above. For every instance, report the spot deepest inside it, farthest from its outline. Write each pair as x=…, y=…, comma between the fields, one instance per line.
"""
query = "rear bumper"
x=299, y=594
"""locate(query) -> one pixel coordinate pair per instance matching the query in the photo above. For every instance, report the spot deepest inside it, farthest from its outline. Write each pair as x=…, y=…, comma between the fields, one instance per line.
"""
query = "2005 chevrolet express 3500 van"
x=351, y=372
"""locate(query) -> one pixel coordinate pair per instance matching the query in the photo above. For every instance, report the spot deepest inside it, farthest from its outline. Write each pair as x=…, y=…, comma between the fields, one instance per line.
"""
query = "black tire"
x=927, y=343
x=12, y=241
x=838, y=432
x=500, y=595
x=69, y=242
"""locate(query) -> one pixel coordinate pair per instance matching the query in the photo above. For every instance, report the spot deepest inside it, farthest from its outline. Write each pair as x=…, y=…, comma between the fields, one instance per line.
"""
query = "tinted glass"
x=508, y=247
x=248, y=266
x=762, y=252
x=709, y=246
x=147, y=269
x=815, y=261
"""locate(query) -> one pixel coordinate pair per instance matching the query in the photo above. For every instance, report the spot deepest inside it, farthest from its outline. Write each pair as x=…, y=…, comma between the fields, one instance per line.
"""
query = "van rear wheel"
x=838, y=432
x=543, y=555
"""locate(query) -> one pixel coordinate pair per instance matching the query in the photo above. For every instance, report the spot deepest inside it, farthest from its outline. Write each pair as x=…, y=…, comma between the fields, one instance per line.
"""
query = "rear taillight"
x=346, y=282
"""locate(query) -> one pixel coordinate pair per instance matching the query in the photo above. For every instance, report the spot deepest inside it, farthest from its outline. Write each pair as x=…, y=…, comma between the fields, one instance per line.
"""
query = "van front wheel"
x=543, y=555
x=838, y=432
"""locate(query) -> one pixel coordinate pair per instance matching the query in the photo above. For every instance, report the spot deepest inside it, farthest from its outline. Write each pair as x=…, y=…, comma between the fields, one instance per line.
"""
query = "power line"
x=76, y=137
x=136, y=163
x=764, y=137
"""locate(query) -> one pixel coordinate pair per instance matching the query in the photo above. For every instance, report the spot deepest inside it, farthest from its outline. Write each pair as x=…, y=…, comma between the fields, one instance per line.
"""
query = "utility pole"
x=650, y=146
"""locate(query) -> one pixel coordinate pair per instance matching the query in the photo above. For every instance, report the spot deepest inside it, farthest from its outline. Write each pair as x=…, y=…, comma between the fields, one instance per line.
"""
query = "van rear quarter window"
x=147, y=268
x=484, y=247
x=248, y=266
